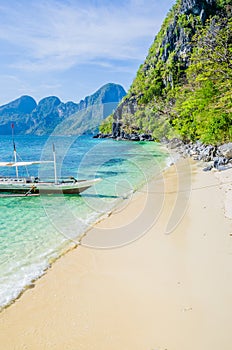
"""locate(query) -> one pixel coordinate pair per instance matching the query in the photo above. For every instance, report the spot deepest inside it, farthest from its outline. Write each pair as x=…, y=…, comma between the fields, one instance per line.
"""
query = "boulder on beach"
x=226, y=150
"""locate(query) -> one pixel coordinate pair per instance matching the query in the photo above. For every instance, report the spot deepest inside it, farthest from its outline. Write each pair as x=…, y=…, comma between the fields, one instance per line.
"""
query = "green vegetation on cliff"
x=106, y=125
x=204, y=103
x=184, y=87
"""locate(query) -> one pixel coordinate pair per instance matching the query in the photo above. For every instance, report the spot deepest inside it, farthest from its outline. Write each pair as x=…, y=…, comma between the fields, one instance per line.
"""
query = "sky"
x=70, y=48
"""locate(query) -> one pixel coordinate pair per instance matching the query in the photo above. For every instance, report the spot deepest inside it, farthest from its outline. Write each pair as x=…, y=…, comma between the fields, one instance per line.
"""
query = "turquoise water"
x=36, y=230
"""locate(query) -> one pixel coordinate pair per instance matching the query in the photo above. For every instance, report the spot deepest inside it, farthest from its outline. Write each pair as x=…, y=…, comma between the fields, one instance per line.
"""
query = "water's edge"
x=75, y=243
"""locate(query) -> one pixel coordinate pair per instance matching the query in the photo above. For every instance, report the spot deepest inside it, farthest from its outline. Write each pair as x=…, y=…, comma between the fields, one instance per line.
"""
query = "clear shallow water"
x=36, y=230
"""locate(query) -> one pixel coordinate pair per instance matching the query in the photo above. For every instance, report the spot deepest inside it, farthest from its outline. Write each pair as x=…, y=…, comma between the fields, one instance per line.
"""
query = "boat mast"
x=15, y=153
x=54, y=161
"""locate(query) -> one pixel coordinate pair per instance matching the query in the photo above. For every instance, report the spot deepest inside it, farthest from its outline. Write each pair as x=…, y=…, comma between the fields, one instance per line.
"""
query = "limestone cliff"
x=192, y=30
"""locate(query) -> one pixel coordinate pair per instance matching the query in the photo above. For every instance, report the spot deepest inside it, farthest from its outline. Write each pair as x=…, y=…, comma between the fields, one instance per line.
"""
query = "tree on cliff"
x=184, y=86
x=204, y=104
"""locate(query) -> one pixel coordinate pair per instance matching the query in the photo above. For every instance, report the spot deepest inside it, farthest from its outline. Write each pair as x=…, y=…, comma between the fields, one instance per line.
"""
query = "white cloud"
x=57, y=35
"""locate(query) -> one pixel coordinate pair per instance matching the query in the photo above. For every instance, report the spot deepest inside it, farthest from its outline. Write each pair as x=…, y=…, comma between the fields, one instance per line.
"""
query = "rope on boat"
x=33, y=188
x=10, y=195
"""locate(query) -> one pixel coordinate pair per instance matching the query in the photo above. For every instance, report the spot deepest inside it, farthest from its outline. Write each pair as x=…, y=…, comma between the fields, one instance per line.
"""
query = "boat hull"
x=46, y=187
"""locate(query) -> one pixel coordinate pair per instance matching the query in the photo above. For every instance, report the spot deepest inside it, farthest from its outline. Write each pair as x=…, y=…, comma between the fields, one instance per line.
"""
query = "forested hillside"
x=53, y=115
x=184, y=87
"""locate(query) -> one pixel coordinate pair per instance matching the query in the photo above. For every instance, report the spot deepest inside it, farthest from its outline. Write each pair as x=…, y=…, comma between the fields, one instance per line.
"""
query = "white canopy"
x=14, y=164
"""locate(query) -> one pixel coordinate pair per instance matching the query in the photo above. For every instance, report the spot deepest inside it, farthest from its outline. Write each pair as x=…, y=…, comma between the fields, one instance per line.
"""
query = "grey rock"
x=201, y=8
x=208, y=168
x=175, y=143
x=207, y=153
x=134, y=137
x=146, y=137
x=226, y=150
x=220, y=161
x=116, y=129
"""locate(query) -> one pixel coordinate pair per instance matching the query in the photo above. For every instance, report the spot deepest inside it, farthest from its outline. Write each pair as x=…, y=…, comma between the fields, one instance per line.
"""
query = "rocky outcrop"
x=177, y=38
x=201, y=8
x=166, y=63
x=128, y=106
x=116, y=129
x=218, y=157
x=226, y=150
x=119, y=134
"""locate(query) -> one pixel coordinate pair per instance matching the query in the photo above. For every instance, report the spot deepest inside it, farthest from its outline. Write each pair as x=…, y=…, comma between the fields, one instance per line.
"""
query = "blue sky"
x=70, y=48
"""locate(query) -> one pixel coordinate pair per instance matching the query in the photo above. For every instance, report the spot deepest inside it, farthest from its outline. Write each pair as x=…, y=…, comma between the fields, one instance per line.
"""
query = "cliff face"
x=150, y=104
x=198, y=7
x=42, y=119
x=180, y=31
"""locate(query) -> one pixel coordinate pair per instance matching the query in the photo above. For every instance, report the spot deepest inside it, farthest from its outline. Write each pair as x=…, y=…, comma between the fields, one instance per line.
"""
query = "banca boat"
x=30, y=185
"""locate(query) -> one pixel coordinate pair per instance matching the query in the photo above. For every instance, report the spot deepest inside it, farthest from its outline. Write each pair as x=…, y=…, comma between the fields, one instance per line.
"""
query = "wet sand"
x=162, y=281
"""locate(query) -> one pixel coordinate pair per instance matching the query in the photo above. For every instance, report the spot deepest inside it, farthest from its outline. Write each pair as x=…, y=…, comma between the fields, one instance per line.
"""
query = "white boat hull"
x=24, y=187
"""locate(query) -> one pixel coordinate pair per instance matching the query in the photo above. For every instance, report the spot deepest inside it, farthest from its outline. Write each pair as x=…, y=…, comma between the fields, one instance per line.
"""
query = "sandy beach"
x=154, y=275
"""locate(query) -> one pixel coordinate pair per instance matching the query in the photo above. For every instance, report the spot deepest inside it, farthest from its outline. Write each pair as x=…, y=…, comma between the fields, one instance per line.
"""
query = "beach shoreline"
x=68, y=235
x=73, y=243
x=153, y=290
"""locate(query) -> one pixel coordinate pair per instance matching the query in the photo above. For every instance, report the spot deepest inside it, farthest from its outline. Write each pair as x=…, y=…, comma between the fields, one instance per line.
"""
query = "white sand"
x=225, y=179
x=163, y=291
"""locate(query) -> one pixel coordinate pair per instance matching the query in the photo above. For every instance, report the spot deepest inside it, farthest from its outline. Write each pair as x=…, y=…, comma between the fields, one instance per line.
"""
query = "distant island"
x=52, y=115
